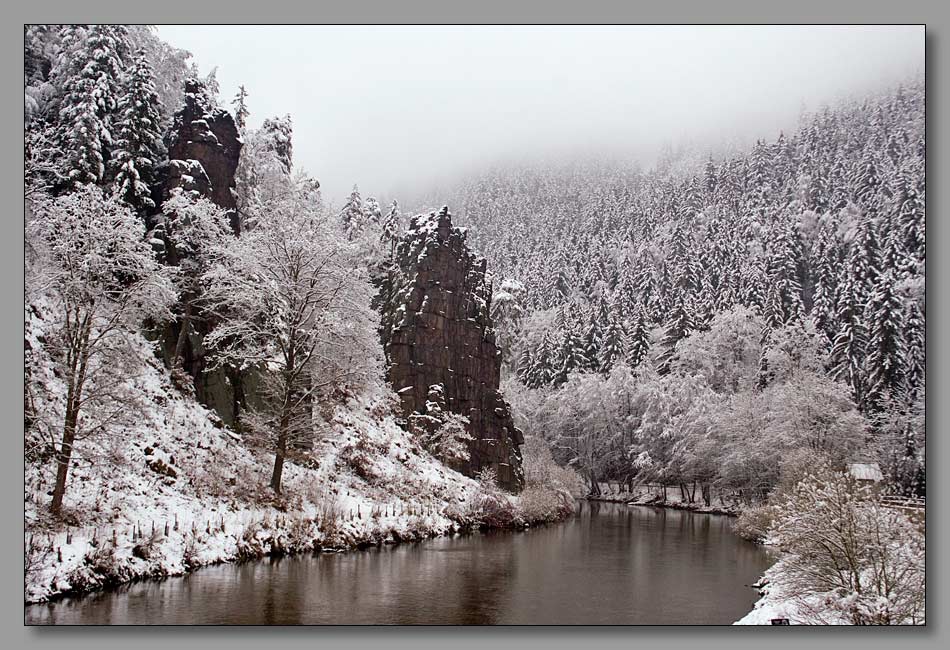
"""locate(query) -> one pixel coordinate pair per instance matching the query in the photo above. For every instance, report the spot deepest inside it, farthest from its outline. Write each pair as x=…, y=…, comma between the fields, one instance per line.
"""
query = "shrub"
x=538, y=504
x=754, y=523
x=849, y=556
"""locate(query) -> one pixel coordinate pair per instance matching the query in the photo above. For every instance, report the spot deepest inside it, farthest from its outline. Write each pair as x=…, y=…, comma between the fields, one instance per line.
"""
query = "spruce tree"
x=543, y=365
x=850, y=343
x=638, y=344
x=353, y=214
x=390, y=233
x=679, y=326
x=915, y=335
x=612, y=348
x=886, y=350
x=138, y=146
x=573, y=358
x=90, y=96
x=525, y=363
x=240, y=109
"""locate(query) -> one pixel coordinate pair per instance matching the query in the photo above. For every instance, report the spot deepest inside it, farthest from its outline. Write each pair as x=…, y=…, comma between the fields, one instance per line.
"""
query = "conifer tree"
x=638, y=344
x=612, y=348
x=240, y=109
x=543, y=365
x=679, y=326
x=138, y=142
x=525, y=364
x=390, y=233
x=353, y=214
x=572, y=355
x=90, y=96
x=886, y=350
x=850, y=343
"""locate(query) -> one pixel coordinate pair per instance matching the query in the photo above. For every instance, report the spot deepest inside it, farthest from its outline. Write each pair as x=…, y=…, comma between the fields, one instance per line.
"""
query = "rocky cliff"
x=203, y=150
x=436, y=330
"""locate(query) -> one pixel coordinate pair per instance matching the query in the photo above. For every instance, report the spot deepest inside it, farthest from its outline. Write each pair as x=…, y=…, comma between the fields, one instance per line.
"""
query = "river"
x=609, y=564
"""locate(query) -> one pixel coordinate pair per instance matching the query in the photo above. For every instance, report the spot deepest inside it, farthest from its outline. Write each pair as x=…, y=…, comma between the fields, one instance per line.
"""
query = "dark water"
x=609, y=564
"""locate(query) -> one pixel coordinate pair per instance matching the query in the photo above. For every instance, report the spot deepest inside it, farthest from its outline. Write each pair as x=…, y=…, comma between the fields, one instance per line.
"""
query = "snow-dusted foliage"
x=93, y=262
x=812, y=245
x=138, y=139
x=443, y=433
x=849, y=557
x=288, y=301
x=92, y=64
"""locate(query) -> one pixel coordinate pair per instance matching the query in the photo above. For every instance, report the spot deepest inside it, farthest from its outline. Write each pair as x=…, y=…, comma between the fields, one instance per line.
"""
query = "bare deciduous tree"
x=288, y=302
x=92, y=257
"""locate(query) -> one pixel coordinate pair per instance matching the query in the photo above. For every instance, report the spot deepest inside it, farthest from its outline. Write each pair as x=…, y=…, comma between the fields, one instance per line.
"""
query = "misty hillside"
x=822, y=229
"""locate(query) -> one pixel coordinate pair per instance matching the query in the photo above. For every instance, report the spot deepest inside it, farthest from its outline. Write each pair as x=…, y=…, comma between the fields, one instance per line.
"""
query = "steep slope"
x=180, y=490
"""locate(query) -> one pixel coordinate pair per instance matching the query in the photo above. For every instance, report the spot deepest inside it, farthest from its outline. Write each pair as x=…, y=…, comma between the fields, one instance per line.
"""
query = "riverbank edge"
x=278, y=548
x=673, y=505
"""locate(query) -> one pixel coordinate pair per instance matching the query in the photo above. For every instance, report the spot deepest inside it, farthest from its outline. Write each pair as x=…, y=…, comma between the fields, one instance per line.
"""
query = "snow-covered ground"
x=179, y=490
x=672, y=498
x=776, y=603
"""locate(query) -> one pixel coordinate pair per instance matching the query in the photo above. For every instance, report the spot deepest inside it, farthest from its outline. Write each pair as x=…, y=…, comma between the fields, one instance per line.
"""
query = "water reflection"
x=609, y=564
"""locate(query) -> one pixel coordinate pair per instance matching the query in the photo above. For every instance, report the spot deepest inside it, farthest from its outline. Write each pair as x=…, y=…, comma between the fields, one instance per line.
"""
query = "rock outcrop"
x=203, y=150
x=436, y=329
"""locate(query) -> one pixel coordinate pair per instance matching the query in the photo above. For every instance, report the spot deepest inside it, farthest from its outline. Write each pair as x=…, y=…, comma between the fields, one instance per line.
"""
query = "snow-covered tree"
x=612, y=346
x=727, y=355
x=443, y=433
x=849, y=558
x=289, y=300
x=353, y=215
x=98, y=267
x=638, y=343
x=193, y=230
x=138, y=145
x=90, y=96
x=240, y=109
x=391, y=228
x=886, y=349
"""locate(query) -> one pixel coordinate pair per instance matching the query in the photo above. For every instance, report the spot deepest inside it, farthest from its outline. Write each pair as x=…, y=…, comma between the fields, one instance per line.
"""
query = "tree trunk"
x=281, y=451
x=282, y=433
x=77, y=379
x=594, y=485
x=183, y=332
x=63, y=456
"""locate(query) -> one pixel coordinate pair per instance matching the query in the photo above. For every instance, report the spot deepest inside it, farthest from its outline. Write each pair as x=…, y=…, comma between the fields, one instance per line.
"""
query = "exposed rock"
x=208, y=137
x=204, y=150
x=436, y=329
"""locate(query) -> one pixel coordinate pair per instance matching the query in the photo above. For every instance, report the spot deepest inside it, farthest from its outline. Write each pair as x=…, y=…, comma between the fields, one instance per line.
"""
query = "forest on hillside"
x=683, y=324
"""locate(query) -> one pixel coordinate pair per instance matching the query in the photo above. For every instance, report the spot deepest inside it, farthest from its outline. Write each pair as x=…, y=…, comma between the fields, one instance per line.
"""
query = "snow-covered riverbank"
x=652, y=495
x=177, y=490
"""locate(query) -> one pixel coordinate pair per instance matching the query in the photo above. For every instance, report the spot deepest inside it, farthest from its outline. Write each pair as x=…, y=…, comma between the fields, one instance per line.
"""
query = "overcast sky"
x=392, y=108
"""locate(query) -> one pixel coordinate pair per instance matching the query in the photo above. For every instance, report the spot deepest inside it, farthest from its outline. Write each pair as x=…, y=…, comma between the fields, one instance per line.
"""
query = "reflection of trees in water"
x=609, y=564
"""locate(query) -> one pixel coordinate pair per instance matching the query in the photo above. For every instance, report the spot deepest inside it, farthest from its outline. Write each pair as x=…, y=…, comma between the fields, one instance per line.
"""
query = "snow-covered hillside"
x=178, y=490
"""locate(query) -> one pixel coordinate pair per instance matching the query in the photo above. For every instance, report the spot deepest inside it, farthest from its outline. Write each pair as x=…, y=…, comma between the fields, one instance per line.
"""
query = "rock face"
x=436, y=329
x=204, y=150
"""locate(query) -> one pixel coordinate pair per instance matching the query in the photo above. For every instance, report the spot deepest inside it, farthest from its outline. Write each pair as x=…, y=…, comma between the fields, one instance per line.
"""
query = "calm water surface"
x=609, y=564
